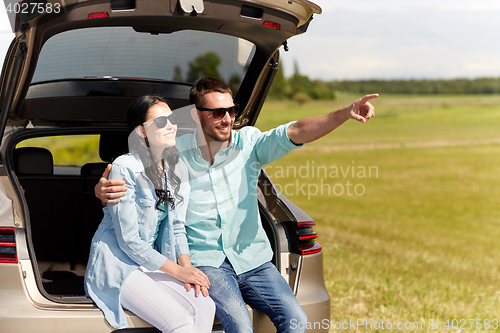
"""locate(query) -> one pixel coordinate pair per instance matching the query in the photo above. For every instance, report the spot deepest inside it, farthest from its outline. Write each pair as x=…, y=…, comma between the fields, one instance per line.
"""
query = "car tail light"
x=306, y=238
x=97, y=15
x=8, y=252
x=273, y=25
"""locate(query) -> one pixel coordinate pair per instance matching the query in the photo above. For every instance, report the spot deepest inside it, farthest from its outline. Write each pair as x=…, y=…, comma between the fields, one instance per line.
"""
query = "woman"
x=139, y=256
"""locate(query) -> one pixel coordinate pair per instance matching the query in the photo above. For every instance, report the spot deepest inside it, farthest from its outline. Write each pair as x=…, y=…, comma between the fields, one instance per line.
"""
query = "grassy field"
x=415, y=240
x=72, y=150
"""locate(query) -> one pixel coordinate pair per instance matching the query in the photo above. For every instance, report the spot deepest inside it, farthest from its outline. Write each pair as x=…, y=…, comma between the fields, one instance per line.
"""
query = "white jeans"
x=164, y=302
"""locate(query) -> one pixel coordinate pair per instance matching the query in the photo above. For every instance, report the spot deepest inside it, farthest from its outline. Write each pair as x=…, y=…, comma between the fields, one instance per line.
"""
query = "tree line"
x=300, y=88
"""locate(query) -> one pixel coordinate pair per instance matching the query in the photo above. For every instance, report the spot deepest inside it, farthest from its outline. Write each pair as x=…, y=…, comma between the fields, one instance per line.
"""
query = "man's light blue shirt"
x=223, y=215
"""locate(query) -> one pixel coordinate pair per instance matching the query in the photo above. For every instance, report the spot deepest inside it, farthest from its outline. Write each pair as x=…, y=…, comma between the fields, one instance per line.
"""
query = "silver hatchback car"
x=67, y=81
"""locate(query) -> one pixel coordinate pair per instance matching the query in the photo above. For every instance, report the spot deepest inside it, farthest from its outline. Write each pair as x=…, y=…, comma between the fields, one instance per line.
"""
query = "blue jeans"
x=263, y=288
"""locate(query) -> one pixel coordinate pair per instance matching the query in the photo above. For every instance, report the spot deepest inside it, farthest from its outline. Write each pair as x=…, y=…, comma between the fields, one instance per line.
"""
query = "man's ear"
x=195, y=116
x=140, y=131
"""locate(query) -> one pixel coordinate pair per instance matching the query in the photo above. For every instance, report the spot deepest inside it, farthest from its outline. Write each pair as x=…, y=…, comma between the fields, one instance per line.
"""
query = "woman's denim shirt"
x=122, y=241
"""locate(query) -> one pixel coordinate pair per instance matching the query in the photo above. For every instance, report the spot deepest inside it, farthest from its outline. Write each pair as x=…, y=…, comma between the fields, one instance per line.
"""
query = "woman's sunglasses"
x=219, y=113
x=161, y=121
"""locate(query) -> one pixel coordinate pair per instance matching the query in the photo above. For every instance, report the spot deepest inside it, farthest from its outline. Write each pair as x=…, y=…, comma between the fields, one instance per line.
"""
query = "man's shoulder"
x=252, y=130
x=129, y=161
x=252, y=133
x=181, y=170
x=184, y=141
x=249, y=130
x=248, y=133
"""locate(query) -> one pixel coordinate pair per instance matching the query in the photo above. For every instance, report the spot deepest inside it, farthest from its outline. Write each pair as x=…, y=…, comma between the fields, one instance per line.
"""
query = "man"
x=225, y=235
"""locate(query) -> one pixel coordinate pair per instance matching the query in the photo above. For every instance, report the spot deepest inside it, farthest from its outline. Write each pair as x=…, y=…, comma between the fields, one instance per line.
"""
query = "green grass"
x=404, y=118
x=420, y=242
x=74, y=150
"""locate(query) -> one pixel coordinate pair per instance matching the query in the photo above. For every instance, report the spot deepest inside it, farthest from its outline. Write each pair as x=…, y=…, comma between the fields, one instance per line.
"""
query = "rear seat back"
x=63, y=212
x=53, y=203
x=90, y=212
x=110, y=147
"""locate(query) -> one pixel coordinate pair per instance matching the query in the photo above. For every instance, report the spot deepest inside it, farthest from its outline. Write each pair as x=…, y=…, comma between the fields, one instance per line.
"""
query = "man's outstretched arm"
x=109, y=190
x=310, y=129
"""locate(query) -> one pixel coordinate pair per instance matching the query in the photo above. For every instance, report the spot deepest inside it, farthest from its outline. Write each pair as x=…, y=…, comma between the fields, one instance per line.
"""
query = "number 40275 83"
x=32, y=8
x=478, y=324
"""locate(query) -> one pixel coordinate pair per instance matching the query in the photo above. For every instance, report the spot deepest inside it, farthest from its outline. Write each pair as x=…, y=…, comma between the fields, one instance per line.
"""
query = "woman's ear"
x=195, y=116
x=140, y=131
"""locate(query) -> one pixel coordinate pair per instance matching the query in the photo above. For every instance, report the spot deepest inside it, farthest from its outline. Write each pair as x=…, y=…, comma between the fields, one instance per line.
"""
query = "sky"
x=388, y=39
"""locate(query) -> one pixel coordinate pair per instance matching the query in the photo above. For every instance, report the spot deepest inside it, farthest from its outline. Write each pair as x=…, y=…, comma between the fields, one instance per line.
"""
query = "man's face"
x=218, y=130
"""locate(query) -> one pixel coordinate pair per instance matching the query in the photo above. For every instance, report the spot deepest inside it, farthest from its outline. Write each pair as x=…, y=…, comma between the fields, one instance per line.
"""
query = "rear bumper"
x=22, y=314
x=312, y=296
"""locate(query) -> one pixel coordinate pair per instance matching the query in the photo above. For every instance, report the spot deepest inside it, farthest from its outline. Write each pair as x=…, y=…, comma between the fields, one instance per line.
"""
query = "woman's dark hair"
x=136, y=116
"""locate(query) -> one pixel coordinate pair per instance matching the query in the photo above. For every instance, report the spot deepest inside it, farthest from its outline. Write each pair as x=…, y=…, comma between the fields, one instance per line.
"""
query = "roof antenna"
x=193, y=12
x=285, y=46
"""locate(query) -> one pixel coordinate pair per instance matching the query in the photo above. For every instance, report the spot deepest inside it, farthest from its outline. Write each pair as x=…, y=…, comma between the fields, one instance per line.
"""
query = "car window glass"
x=182, y=56
x=69, y=150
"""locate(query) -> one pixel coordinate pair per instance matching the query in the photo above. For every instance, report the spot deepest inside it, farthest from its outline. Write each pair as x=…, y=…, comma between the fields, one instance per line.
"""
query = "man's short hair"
x=207, y=85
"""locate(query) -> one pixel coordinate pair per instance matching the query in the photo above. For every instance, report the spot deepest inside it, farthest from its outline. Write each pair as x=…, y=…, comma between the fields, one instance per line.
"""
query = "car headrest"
x=33, y=161
x=112, y=145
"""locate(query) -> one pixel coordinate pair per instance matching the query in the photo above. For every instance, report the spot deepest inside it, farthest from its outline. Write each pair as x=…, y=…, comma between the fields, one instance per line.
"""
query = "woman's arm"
x=109, y=190
x=179, y=212
x=126, y=225
x=179, y=224
x=185, y=261
x=187, y=274
x=125, y=219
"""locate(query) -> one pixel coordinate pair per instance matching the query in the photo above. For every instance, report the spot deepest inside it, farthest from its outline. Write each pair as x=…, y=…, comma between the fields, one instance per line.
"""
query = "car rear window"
x=69, y=152
x=182, y=56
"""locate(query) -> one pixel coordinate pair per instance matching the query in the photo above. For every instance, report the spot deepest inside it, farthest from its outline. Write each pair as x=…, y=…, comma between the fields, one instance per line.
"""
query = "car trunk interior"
x=63, y=213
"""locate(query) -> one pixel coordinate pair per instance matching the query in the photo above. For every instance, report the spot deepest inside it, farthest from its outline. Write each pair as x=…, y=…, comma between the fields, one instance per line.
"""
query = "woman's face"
x=159, y=138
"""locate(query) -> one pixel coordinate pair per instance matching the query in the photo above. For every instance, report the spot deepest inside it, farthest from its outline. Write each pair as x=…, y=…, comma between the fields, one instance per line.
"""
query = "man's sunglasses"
x=161, y=121
x=219, y=113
